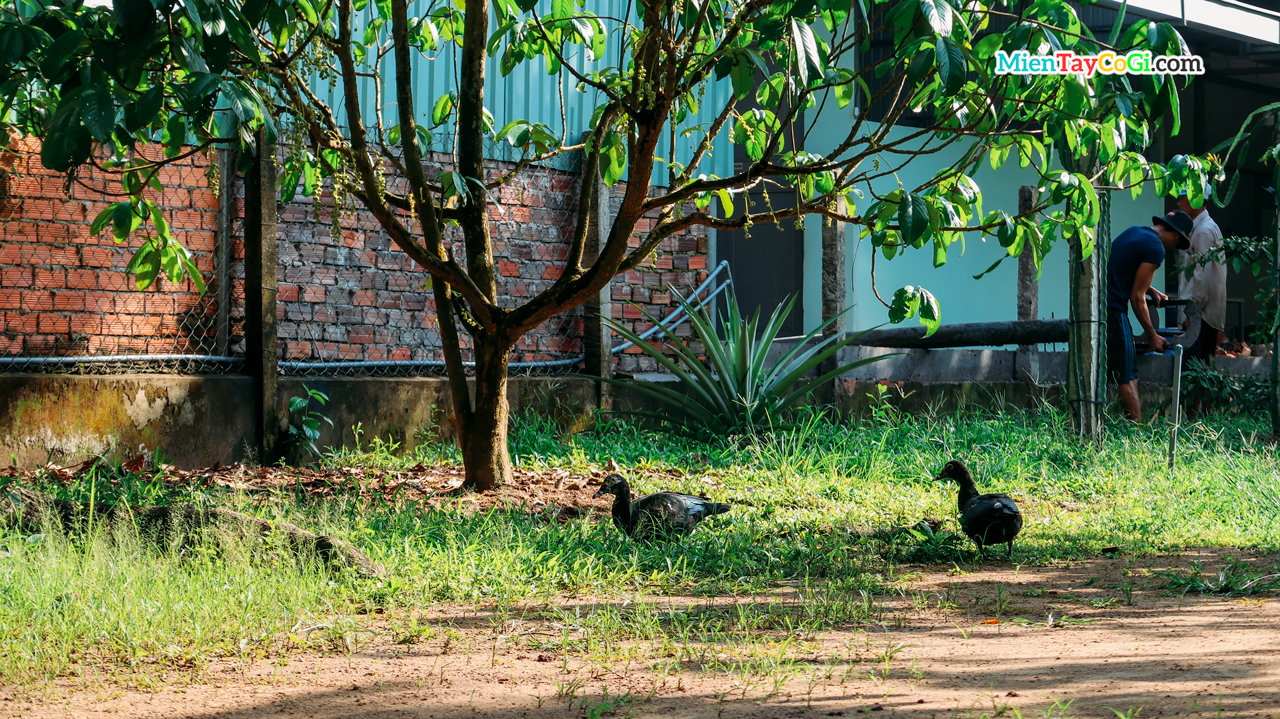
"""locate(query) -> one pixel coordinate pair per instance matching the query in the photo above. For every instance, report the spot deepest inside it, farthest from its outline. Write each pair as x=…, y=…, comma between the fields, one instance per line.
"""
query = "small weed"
x=1127, y=590
x=568, y=691
x=1234, y=578
x=1096, y=603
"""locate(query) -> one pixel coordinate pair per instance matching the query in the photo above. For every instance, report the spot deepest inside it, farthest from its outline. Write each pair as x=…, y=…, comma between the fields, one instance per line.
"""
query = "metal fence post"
x=222, y=250
x=260, y=293
x=1177, y=403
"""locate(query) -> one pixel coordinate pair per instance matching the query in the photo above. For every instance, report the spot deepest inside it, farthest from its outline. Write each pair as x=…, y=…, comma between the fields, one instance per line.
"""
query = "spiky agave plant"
x=733, y=390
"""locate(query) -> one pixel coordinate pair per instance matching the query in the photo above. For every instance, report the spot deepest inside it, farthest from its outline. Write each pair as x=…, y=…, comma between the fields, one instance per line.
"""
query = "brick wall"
x=63, y=291
x=346, y=293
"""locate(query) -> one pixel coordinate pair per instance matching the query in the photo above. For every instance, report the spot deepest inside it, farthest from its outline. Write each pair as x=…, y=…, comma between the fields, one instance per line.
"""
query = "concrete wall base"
x=199, y=420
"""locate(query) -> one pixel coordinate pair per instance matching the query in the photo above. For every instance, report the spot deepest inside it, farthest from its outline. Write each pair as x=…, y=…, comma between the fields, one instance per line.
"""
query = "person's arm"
x=1138, y=297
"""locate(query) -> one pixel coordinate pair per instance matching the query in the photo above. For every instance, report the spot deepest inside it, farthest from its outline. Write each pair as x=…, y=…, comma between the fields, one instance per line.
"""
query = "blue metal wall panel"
x=528, y=93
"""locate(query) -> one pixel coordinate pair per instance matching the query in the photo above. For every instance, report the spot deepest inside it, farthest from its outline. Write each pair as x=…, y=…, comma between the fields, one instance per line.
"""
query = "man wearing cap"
x=1136, y=254
x=1208, y=283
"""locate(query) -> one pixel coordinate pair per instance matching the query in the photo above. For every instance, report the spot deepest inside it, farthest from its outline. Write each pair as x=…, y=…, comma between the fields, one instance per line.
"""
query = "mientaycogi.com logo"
x=1137, y=62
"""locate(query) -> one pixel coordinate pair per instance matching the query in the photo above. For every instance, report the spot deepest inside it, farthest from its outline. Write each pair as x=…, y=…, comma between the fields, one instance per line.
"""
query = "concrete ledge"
x=195, y=420
x=198, y=420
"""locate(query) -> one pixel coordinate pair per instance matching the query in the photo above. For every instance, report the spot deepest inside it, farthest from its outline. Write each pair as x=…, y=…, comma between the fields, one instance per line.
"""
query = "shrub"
x=731, y=388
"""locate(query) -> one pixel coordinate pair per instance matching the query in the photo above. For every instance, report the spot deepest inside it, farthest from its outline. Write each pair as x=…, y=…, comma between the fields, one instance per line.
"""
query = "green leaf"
x=911, y=301
x=125, y=220
x=726, y=202
x=57, y=55
x=308, y=11
x=906, y=303
x=104, y=217
x=939, y=15
x=99, y=112
x=157, y=219
x=141, y=112
x=806, y=49
x=175, y=135
x=743, y=75
x=772, y=91
x=844, y=91
x=951, y=65
x=453, y=185
x=913, y=218
x=145, y=265
x=443, y=108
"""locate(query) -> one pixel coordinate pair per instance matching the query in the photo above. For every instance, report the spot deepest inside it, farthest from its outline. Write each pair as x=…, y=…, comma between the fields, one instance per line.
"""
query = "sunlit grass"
x=806, y=503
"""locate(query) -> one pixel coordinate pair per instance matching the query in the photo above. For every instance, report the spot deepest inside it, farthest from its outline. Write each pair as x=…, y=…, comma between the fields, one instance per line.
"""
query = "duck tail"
x=714, y=508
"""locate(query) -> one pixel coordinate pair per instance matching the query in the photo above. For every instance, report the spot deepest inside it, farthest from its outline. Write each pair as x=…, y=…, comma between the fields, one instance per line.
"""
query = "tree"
x=96, y=83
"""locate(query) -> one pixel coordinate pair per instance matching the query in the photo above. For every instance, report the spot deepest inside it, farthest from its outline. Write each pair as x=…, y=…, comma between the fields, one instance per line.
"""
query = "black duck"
x=663, y=513
x=986, y=518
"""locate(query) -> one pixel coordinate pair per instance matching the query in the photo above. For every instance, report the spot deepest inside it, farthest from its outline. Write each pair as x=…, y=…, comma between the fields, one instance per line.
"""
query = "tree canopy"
x=97, y=83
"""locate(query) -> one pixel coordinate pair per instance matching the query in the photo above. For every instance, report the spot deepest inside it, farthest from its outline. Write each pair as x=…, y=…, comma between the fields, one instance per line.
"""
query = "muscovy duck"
x=656, y=515
x=986, y=518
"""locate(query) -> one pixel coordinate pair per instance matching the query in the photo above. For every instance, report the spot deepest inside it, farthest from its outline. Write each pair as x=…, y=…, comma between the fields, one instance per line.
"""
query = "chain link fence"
x=67, y=301
x=350, y=303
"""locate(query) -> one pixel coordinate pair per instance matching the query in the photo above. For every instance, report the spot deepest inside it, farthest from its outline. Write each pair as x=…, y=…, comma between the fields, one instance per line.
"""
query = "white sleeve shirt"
x=1208, y=283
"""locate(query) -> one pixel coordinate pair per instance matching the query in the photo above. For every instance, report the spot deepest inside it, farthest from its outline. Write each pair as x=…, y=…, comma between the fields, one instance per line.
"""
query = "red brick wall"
x=63, y=291
x=348, y=294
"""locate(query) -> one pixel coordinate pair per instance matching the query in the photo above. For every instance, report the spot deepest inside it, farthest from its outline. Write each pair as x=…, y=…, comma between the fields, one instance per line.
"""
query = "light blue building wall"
x=962, y=298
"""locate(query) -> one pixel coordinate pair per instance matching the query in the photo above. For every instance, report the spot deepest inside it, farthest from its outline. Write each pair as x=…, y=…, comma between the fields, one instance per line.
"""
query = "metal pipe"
x=407, y=364
x=976, y=334
x=673, y=320
x=105, y=359
x=1177, y=403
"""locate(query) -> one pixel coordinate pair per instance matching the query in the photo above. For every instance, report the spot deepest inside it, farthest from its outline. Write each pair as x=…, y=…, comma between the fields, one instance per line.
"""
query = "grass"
x=802, y=502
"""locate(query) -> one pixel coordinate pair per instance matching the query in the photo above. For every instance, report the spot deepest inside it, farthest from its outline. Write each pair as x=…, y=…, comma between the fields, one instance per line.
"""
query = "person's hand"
x=1156, y=342
x=1158, y=296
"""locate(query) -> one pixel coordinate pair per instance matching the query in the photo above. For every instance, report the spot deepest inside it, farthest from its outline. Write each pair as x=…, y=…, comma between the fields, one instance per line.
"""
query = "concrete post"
x=833, y=271
x=597, y=340
x=260, y=293
x=833, y=296
x=1274, y=404
x=1086, y=382
x=1026, y=359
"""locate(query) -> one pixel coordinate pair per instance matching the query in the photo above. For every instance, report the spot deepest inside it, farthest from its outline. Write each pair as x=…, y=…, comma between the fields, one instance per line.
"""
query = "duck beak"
x=599, y=493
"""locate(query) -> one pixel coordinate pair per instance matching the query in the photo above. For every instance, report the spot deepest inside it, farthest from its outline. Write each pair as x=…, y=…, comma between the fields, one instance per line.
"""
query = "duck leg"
x=1009, y=554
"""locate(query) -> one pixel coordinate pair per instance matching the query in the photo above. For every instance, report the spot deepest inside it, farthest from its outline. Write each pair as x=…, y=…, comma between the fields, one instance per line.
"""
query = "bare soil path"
x=1173, y=656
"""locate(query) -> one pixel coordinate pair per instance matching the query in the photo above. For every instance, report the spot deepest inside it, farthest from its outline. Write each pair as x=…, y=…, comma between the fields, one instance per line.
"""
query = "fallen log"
x=32, y=510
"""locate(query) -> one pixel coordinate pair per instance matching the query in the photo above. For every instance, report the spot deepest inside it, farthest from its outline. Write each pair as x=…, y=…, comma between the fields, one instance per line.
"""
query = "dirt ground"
x=1171, y=655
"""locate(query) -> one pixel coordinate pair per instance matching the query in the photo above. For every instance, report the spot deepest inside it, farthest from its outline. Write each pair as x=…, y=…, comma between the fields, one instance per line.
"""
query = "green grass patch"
x=803, y=502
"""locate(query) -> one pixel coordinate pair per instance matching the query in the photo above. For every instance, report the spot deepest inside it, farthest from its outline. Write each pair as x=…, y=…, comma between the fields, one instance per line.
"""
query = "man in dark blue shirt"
x=1135, y=255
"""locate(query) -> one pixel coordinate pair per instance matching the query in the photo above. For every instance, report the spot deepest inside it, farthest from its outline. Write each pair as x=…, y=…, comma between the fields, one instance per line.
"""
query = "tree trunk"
x=483, y=436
